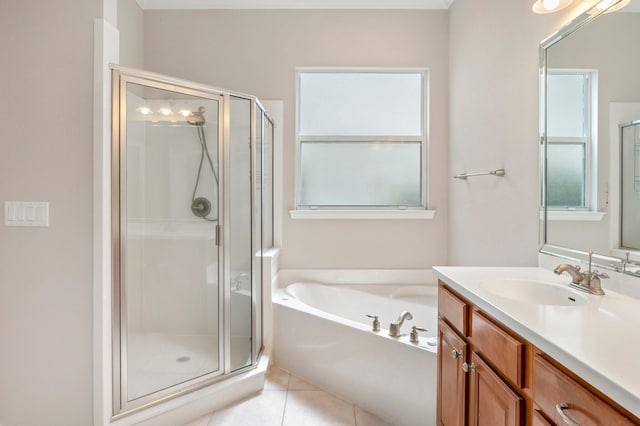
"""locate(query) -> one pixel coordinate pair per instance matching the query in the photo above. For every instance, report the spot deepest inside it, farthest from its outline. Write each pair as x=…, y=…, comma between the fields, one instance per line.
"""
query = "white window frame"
x=590, y=149
x=357, y=211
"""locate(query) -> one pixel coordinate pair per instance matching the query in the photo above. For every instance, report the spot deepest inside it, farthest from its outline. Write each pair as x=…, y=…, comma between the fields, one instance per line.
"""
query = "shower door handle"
x=217, y=235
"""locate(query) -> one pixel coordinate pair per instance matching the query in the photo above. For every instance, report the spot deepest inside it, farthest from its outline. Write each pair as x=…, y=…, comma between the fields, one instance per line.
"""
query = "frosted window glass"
x=566, y=105
x=565, y=175
x=360, y=174
x=356, y=104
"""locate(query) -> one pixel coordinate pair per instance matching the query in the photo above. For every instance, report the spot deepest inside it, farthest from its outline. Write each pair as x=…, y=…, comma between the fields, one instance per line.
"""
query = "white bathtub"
x=322, y=335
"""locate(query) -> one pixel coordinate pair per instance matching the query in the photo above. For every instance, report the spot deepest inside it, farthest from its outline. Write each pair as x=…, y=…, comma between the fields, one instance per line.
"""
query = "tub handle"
x=414, y=333
x=376, y=323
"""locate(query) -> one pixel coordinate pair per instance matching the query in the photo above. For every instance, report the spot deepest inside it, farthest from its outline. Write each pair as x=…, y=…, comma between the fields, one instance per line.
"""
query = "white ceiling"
x=634, y=6
x=295, y=4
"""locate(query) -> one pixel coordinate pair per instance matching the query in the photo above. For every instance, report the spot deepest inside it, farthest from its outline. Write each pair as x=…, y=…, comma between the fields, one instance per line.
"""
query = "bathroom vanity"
x=517, y=346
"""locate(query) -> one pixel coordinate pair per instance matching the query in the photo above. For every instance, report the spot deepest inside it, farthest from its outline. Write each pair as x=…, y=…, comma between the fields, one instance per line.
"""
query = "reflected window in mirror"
x=571, y=96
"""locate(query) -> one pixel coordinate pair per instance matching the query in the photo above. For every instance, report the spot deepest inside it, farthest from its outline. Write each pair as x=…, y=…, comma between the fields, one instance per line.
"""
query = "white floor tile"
x=296, y=383
x=264, y=409
x=303, y=404
x=365, y=418
x=276, y=379
x=309, y=408
x=200, y=421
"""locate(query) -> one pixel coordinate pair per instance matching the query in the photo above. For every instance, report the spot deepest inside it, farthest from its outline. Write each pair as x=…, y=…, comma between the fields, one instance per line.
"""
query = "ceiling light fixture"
x=549, y=6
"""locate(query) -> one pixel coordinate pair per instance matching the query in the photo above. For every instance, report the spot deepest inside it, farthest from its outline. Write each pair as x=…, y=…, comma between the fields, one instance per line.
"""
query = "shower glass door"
x=169, y=214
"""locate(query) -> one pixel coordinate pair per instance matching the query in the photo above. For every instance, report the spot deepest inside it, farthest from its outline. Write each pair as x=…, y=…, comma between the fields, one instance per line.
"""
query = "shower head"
x=196, y=118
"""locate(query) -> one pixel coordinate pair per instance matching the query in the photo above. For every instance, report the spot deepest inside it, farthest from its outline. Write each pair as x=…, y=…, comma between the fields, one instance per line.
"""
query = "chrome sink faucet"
x=584, y=281
x=394, y=327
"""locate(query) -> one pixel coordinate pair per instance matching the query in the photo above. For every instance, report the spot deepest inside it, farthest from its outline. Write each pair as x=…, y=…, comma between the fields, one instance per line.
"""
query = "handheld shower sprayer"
x=201, y=206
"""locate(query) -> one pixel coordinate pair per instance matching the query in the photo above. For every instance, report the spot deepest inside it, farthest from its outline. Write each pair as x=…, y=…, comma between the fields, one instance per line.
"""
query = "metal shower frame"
x=120, y=77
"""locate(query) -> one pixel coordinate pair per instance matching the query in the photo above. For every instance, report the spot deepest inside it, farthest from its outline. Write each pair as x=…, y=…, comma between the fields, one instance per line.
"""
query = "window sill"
x=585, y=216
x=362, y=214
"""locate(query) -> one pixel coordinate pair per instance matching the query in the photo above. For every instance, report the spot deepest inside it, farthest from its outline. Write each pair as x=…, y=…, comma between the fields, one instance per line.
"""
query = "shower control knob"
x=376, y=322
x=201, y=207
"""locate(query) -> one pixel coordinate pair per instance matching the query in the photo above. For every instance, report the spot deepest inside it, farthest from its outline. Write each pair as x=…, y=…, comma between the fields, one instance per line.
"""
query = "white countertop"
x=599, y=340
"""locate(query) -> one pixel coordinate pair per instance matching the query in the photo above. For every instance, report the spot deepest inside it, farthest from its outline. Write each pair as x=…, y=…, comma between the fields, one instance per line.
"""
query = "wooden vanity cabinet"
x=539, y=419
x=488, y=375
x=471, y=390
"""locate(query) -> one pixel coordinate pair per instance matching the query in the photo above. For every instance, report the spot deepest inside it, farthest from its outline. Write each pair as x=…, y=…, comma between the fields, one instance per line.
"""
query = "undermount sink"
x=533, y=292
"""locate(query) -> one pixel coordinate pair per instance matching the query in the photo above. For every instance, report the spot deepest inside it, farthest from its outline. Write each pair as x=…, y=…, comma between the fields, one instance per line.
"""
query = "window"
x=361, y=140
x=570, y=144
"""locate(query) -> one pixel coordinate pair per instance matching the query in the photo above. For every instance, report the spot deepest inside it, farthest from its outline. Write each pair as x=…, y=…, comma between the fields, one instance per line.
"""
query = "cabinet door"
x=491, y=401
x=452, y=380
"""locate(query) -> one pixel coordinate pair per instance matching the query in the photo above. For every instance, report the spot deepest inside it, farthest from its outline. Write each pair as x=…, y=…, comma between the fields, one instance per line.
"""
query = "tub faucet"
x=394, y=327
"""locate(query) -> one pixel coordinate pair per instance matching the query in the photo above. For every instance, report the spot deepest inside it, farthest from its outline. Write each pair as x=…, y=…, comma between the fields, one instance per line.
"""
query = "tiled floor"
x=288, y=401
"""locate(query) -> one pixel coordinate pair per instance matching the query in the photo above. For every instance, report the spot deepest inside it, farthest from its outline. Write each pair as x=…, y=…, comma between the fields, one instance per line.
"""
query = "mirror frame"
x=600, y=260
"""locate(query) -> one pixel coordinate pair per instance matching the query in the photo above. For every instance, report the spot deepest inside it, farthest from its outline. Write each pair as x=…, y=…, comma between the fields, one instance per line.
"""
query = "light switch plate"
x=26, y=213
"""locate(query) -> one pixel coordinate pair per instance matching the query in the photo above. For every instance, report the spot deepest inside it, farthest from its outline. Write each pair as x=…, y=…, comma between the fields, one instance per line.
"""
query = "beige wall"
x=494, y=124
x=257, y=52
x=131, y=28
x=46, y=86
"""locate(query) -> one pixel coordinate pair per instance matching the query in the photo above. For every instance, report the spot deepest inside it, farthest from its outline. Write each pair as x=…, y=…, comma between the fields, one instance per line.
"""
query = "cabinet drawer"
x=505, y=352
x=453, y=309
x=552, y=387
x=540, y=420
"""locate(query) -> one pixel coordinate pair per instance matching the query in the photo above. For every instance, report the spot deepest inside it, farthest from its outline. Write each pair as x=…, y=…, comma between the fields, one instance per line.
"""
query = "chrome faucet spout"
x=576, y=276
x=406, y=315
x=394, y=327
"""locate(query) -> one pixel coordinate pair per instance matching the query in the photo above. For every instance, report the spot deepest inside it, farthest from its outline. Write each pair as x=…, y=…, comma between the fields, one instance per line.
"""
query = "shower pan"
x=192, y=202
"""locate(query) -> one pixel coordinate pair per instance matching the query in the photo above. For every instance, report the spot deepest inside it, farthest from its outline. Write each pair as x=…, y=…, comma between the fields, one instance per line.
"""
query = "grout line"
x=284, y=409
x=210, y=418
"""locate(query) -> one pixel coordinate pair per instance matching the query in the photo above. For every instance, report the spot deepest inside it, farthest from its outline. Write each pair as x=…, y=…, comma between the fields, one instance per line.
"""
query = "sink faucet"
x=576, y=276
x=622, y=266
x=394, y=327
x=585, y=281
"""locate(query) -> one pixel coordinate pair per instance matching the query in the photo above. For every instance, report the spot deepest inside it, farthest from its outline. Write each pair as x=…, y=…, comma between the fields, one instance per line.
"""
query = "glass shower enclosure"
x=192, y=209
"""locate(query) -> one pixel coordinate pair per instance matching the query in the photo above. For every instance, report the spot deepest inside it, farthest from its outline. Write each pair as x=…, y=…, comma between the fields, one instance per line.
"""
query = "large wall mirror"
x=590, y=134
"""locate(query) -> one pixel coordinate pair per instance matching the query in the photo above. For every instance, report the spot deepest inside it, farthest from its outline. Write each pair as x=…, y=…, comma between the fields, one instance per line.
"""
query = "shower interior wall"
x=155, y=304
